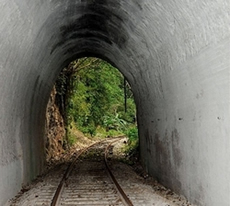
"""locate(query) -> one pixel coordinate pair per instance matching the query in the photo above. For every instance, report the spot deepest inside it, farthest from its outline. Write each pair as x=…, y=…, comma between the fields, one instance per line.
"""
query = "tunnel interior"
x=175, y=55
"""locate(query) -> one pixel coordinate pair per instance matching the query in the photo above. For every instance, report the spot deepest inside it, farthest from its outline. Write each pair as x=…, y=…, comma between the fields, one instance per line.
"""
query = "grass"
x=102, y=133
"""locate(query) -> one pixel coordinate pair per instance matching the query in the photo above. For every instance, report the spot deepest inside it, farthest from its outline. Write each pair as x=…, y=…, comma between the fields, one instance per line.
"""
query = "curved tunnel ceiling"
x=104, y=29
x=99, y=28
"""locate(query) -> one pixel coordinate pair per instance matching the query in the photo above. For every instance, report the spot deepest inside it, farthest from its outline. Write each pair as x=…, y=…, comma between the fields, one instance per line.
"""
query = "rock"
x=55, y=130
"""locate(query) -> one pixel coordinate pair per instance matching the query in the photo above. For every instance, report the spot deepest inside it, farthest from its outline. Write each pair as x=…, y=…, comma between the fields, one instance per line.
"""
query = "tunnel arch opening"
x=102, y=106
x=64, y=38
x=65, y=31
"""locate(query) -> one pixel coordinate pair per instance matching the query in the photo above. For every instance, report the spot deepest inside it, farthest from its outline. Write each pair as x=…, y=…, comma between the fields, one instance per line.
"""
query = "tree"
x=92, y=93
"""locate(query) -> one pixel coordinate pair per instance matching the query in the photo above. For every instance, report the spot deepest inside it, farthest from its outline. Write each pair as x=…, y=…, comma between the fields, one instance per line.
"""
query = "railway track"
x=90, y=183
x=88, y=180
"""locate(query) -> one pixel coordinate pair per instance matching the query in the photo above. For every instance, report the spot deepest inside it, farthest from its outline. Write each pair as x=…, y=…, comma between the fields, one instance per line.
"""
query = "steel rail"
x=59, y=190
x=124, y=197
x=57, y=195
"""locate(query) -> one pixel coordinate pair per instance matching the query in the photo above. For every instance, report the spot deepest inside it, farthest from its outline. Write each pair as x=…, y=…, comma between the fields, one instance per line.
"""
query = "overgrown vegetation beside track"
x=96, y=99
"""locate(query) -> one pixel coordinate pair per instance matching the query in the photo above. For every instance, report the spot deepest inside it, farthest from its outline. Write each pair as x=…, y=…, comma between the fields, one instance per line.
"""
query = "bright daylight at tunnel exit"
x=90, y=101
x=114, y=102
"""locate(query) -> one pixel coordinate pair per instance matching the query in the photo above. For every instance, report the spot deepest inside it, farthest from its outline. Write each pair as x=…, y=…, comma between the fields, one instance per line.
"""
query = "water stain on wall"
x=168, y=159
x=176, y=150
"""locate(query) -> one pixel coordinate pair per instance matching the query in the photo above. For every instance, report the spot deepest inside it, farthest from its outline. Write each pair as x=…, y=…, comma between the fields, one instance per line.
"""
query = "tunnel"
x=175, y=55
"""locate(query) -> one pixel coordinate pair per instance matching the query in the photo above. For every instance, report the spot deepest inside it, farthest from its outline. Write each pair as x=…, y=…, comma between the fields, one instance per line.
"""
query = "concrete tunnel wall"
x=175, y=55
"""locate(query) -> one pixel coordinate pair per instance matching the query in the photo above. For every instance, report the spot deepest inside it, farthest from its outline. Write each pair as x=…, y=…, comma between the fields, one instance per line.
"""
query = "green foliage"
x=92, y=92
x=71, y=138
x=133, y=142
x=114, y=122
x=132, y=134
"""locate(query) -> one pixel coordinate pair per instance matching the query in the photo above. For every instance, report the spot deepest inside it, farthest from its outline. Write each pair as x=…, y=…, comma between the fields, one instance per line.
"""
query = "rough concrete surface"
x=175, y=54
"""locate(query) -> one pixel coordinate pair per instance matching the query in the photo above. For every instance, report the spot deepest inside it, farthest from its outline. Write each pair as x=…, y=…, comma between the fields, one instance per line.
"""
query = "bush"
x=114, y=122
x=132, y=134
x=71, y=139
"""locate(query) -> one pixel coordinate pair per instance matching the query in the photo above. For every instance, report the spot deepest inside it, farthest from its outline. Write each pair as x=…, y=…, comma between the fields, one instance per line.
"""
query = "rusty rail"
x=124, y=197
x=58, y=192
x=57, y=195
